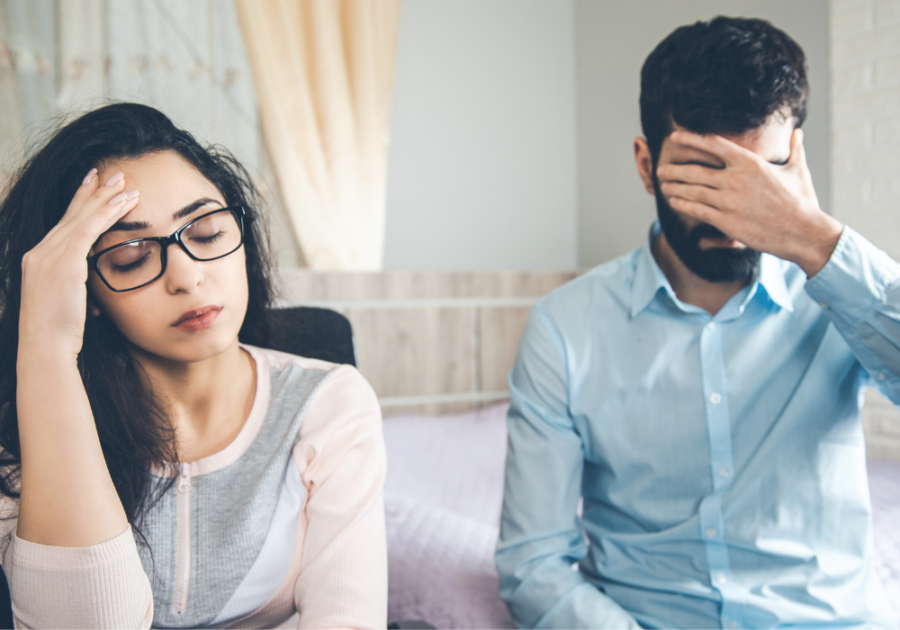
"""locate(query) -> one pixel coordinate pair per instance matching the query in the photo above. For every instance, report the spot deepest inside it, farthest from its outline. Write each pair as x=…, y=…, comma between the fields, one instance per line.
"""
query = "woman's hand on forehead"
x=54, y=273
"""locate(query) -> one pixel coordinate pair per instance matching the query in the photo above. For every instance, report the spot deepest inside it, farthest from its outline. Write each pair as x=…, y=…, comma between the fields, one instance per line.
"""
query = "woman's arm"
x=72, y=559
x=341, y=456
x=67, y=495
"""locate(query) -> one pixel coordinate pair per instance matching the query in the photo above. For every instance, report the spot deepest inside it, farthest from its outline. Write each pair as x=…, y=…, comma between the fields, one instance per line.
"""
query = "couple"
x=699, y=395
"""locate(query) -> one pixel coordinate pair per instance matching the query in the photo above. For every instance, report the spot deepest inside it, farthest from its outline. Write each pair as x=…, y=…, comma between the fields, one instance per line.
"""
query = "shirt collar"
x=771, y=278
x=649, y=278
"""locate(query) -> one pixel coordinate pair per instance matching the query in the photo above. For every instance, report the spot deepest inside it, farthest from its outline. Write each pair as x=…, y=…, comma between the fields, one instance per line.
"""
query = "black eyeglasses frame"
x=164, y=242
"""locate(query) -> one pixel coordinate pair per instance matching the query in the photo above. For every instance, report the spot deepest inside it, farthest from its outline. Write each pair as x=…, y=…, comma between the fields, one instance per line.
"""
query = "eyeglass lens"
x=132, y=264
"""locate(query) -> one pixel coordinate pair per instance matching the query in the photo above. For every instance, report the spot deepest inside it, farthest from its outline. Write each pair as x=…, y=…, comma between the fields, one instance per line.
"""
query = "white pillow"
x=442, y=502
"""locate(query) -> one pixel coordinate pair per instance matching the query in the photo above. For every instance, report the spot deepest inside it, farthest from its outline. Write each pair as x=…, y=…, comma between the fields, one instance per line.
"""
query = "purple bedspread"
x=884, y=485
x=442, y=501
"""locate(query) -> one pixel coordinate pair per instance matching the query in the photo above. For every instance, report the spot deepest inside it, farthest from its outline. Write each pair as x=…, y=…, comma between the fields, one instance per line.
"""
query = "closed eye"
x=130, y=266
x=206, y=240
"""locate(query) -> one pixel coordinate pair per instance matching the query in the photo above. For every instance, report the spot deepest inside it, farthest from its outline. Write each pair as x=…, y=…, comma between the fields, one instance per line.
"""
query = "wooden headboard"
x=429, y=342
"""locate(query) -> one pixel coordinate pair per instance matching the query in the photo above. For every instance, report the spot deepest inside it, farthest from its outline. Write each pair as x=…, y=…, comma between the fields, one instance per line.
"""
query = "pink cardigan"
x=338, y=576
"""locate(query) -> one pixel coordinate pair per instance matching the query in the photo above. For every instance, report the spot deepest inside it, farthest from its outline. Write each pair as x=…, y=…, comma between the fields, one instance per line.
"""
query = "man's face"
x=703, y=249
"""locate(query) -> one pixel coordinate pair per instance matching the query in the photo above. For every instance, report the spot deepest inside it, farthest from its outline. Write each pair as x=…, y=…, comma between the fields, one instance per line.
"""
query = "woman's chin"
x=195, y=348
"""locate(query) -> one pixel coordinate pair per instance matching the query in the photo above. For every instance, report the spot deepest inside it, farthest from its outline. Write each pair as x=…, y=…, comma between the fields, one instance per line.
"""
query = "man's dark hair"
x=725, y=76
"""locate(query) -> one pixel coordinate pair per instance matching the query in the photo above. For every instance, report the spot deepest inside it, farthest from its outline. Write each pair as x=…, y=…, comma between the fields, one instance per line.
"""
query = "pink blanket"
x=443, y=498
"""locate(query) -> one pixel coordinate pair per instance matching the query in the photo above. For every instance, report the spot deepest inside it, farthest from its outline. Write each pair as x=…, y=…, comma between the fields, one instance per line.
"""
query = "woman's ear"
x=92, y=307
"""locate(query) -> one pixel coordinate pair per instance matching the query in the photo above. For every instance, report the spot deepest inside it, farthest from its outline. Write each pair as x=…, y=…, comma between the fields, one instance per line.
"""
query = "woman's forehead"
x=166, y=182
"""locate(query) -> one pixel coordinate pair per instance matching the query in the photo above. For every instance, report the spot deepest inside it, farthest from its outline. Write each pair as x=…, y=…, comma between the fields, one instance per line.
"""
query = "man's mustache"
x=705, y=230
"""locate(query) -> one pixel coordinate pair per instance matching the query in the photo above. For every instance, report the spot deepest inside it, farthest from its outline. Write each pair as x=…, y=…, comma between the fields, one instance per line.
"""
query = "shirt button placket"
x=718, y=425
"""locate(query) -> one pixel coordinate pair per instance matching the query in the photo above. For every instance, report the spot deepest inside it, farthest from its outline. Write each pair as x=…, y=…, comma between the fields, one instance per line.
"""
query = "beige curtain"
x=324, y=75
x=27, y=77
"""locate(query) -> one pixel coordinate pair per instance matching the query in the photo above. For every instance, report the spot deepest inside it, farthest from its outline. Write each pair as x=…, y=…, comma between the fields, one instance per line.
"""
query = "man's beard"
x=716, y=264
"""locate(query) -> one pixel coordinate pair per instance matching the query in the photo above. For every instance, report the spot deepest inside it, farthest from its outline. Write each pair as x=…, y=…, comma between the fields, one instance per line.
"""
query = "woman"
x=158, y=470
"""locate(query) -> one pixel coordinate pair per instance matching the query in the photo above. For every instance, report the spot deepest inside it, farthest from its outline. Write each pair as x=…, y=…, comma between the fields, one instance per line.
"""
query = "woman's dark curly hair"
x=134, y=430
x=727, y=75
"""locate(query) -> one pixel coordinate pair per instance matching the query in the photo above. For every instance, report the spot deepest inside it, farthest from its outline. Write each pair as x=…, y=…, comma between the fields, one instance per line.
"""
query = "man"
x=701, y=394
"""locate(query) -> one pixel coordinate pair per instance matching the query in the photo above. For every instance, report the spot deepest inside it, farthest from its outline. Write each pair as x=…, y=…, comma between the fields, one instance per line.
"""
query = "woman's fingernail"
x=115, y=178
x=131, y=194
x=87, y=178
x=120, y=197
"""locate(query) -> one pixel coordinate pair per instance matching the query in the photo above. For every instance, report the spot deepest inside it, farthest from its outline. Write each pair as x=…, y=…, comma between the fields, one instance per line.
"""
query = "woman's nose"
x=183, y=273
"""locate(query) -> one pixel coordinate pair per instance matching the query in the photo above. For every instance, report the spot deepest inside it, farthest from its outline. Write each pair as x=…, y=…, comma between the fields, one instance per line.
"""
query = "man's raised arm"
x=859, y=288
x=773, y=208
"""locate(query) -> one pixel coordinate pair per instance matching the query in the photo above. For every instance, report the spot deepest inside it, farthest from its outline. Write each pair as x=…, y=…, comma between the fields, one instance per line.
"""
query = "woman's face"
x=195, y=310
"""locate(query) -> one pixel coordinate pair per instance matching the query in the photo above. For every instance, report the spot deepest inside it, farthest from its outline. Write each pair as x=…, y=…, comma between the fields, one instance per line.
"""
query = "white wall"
x=614, y=37
x=482, y=171
x=513, y=122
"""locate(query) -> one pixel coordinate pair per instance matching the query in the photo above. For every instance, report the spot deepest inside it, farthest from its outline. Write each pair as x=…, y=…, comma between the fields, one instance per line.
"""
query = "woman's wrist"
x=47, y=358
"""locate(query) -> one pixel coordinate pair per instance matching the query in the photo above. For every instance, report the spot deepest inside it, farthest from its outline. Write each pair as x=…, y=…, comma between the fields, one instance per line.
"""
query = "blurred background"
x=432, y=167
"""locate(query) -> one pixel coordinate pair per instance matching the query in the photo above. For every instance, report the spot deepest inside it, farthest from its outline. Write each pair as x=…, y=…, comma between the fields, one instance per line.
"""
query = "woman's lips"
x=198, y=318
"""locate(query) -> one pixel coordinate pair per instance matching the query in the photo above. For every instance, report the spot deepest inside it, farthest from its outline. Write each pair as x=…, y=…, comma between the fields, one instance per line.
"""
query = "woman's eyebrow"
x=192, y=208
x=134, y=226
x=128, y=226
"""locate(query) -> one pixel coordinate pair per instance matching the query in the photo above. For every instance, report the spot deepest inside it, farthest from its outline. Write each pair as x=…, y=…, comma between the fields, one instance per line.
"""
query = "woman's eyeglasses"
x=138, y=262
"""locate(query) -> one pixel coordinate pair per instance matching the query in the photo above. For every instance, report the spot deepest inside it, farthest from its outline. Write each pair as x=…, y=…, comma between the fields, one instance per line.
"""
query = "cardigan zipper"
x=183, y=564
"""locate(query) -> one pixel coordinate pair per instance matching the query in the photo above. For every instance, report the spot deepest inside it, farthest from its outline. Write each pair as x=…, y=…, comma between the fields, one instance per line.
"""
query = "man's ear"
x=644, y=162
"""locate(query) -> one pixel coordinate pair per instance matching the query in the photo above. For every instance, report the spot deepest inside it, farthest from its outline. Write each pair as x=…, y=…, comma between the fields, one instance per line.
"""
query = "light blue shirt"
x=720, y=459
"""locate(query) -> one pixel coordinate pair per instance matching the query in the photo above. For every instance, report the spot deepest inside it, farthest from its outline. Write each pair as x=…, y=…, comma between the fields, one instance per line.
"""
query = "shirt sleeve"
x=102, y=586
x=540, y=532
x=342, y=461
x=859, y=290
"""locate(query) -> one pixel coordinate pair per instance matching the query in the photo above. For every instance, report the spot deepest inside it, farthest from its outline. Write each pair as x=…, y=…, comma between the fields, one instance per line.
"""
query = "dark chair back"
x=6, y=617
x=317, y=333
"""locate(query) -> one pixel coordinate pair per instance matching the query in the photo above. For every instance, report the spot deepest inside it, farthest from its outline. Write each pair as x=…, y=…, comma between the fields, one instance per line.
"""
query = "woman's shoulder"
x=341, y=412
x=339, y=375
x=281, y=360
x=329, y=391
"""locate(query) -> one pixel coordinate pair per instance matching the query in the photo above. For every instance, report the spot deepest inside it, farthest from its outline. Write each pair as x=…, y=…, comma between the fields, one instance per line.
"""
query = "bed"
x=443, y=497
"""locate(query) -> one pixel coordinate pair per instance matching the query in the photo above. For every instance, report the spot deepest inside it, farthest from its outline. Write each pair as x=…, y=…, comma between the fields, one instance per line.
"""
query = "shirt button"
x=724, y=472
x=733, y=625
x=882, y=376
x=711, y=326
x=711, y=532
x=824, y=305
x=715, y=398
x=721, y=578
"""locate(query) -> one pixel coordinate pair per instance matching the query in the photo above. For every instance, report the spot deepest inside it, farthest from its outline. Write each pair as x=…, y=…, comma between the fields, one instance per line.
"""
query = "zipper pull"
x=184, y=477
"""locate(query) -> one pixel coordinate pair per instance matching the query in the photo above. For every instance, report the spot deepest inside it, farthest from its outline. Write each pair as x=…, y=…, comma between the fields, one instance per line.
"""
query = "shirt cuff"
x=29, y=555
x=855, y=279
x=101, y=586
